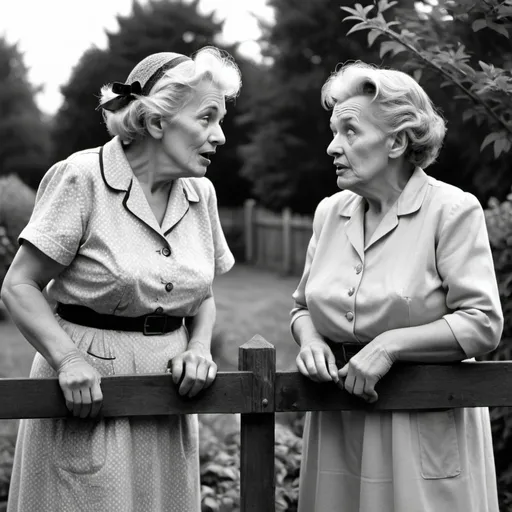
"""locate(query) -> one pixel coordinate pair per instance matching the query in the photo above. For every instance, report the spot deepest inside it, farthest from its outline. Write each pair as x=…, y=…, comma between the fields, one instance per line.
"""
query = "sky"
x=53, y=34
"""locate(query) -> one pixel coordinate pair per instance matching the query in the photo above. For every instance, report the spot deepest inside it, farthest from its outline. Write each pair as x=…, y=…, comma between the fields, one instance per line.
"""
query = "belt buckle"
x=149, y=329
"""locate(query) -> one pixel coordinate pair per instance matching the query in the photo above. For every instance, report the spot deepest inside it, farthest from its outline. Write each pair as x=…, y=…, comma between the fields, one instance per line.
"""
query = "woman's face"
x=192, y=136
x=360, y=148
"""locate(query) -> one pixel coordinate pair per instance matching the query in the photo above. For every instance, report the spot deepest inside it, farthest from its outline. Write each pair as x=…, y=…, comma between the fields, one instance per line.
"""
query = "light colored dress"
x=428, y=259
x=92, y=215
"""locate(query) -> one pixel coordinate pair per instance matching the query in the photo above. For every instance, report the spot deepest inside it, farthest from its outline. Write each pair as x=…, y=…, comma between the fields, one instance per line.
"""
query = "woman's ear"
x=399, y=144
x=154, y=126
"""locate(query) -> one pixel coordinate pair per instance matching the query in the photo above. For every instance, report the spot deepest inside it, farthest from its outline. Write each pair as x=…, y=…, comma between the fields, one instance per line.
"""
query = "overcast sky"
x=53, y=34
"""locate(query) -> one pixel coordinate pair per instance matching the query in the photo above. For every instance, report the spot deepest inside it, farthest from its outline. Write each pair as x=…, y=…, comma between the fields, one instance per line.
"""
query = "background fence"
x=266, y=239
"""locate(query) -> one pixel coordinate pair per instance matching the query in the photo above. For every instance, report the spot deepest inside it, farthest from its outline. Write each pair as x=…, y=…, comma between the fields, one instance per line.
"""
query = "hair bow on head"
x=125, y=95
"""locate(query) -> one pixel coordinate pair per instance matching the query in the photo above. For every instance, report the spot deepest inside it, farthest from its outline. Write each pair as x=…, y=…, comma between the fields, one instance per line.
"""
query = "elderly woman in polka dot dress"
x=127, y=240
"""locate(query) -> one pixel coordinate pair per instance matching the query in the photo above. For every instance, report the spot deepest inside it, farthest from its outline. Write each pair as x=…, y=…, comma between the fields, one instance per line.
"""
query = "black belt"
x=344, y=351
x=150, y=325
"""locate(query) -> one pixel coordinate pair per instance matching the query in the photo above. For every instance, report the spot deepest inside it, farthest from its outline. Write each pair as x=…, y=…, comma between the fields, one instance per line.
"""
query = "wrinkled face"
x=191, y=137
x=360, y=148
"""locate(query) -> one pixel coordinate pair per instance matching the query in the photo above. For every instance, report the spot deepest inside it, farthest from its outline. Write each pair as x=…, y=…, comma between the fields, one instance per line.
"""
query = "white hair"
x=171, y=92
x=402, y=104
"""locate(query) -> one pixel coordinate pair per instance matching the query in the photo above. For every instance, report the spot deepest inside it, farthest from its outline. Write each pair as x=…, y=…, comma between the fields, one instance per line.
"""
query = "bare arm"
x=29, y=273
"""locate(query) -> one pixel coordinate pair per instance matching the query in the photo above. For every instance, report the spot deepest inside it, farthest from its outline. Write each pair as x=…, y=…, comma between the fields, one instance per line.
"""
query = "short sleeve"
x=58, y=220
x=299, y=296
x=224, y=259
x=466, y=267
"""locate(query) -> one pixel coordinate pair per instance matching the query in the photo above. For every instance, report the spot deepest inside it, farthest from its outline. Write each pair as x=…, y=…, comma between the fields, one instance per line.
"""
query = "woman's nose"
x=333, y=149
x=218, y=138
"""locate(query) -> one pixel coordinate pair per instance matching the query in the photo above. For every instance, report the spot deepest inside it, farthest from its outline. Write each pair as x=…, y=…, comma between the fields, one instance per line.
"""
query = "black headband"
x=126, y=92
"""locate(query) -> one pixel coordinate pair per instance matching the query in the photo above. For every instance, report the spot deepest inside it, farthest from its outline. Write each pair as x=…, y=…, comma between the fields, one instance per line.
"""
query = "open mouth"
x=207, y=156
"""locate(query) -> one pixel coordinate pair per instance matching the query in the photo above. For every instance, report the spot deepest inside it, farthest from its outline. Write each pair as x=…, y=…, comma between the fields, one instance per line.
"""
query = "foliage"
x=23, y=131
x=499, y=224
x=220, y=465
x=16, y=204
x=156, y=26
x=453, y=40
x=285, y=159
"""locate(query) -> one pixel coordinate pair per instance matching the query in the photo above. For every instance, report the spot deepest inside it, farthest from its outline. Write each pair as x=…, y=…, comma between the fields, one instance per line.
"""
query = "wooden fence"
x=273, y=241
x=257, y=391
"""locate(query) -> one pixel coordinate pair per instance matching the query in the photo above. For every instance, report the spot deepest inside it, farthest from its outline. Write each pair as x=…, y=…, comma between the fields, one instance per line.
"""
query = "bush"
x=220, y=464
x=499, y=224
x=16, y=205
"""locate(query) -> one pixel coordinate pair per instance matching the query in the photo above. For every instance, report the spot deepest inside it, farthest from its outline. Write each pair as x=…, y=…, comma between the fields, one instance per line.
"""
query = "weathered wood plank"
x=257, y=434
x=406, y=387
x=130, y=395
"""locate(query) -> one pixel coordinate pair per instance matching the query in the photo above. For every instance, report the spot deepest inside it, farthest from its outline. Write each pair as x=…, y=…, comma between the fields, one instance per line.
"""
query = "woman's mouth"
x=206, y=157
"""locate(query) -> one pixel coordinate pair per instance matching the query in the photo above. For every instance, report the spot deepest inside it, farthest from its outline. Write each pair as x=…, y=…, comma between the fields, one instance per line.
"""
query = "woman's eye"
x=351, y=134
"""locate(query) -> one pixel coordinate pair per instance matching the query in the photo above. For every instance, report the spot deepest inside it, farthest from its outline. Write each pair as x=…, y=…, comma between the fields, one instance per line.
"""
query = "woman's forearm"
x=429, y=343
x=303, y=331
x=201, y=325
x=34, y=318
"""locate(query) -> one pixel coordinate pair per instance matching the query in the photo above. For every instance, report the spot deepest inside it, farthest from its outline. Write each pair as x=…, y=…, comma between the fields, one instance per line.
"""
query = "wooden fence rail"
x=258, y=391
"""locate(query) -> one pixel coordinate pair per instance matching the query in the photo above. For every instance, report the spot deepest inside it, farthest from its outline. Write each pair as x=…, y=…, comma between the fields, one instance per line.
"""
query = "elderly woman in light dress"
x=127, y=240
x=399, y=268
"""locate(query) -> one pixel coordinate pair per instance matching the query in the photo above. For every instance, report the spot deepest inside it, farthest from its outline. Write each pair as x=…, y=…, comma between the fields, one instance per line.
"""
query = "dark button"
x=358, y=268
x=166, y=251
x=169, y=287
x=351, y=291
x=349, y=316
x=159, y=310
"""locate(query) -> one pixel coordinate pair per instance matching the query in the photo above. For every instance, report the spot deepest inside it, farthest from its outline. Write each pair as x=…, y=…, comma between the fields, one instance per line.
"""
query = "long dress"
x=429, y=259
x=92, y=216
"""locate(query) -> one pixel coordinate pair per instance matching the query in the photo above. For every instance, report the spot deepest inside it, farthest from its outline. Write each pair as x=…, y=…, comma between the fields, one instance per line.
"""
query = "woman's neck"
x=383, y=193
x=143, y=157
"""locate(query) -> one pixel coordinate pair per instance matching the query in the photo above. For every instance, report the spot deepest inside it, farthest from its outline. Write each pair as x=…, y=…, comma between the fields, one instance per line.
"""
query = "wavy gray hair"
x=403, y=106
x=172, y=91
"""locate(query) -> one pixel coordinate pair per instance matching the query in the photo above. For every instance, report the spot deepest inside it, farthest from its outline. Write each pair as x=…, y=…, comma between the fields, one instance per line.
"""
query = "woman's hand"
x=195, y=368
x=80, y=384
x=316, y=361
x=366, y=368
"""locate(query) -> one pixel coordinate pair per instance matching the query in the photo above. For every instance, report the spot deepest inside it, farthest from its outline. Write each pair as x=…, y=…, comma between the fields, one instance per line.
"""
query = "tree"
x=25, y=144
x=286, y=158
x=157, y=26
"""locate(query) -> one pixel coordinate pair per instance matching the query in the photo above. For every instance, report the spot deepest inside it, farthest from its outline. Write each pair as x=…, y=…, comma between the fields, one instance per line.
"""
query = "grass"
x=254, y=301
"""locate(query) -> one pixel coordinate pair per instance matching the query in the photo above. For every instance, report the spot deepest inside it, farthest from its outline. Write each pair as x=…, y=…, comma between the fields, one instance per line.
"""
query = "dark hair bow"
x=125, y=95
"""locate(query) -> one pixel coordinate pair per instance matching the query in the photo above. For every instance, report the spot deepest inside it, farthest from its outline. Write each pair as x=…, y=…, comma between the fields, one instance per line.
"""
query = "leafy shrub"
x=220, y=465
x=499, y=225
x=16, y=205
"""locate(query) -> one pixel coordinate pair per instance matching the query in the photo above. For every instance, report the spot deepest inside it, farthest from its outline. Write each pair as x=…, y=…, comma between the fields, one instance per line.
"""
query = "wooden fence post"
x=249, y=234
x=257, y=478
x=287, y=241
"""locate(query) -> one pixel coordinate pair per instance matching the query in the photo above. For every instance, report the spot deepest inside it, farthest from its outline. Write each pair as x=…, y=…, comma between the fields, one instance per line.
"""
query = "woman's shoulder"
x=450, y=197
x=78, y=166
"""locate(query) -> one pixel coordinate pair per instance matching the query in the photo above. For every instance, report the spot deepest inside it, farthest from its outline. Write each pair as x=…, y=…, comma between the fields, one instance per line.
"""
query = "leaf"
x=491, y=138
x=417, y=74
x=384, y=5
x=360, y=26
x=498, y=28
x=372, y=35
x=479, y=24
x=391, y=46
x=501, y=146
